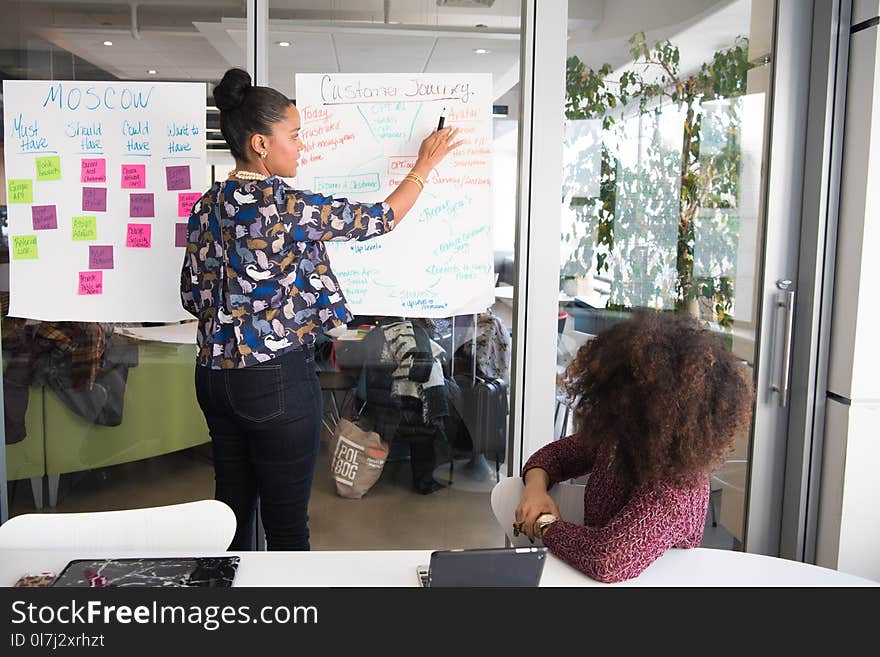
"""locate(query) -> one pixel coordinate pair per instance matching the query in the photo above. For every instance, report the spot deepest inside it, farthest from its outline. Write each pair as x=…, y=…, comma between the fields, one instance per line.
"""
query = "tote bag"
x=358, y=459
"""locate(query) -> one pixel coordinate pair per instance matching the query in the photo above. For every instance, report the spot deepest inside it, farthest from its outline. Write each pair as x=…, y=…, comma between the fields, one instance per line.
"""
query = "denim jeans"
x=265, y=425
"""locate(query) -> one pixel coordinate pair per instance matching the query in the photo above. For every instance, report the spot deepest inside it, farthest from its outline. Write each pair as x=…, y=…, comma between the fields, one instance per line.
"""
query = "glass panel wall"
x=102, y=415
x=666, y=110
x=434, y=488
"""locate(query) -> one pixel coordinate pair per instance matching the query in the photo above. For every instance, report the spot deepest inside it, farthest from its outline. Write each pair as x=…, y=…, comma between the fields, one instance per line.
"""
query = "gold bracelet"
x=415, y=181
x=417, y=177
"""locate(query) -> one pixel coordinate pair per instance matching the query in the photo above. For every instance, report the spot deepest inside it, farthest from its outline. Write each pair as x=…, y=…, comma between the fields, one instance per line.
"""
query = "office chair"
x=202, y=527
x=507, y=494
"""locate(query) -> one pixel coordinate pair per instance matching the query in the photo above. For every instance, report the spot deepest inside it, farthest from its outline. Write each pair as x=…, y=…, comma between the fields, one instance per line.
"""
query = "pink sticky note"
x=94, y=199
x=185, y=203
x=93, y=170
x=141, y=205
x=180, y=234
x=134, y=176
x=44, y=217
x=91, y=282
x=100, y=257
x=177, y=178
x=138, y=236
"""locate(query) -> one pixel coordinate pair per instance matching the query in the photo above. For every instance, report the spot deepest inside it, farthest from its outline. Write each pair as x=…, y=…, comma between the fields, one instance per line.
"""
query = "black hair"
x=246, y=109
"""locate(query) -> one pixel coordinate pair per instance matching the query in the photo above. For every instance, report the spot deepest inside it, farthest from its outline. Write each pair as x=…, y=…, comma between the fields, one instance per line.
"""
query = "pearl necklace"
x=245, y=175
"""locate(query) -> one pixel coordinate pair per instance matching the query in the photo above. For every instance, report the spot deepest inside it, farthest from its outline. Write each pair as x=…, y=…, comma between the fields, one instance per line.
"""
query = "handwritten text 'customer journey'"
x=361, y=136
x=101, y=178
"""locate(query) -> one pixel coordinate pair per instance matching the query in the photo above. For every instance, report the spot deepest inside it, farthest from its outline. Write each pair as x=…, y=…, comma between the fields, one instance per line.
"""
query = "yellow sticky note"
x=85, y=228
x=24, y=247
x=49, y=168
x=21, y=191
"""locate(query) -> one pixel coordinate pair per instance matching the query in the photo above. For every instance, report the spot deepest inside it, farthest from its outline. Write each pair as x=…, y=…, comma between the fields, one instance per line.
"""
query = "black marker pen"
x=442, y=119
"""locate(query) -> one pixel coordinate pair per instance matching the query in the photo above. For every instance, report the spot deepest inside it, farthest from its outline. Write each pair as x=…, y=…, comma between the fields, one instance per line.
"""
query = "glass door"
x=434, y=488
x=679, y=179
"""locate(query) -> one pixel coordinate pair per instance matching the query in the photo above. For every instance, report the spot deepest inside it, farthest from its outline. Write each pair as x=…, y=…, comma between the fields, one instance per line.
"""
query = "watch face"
x=544, y=521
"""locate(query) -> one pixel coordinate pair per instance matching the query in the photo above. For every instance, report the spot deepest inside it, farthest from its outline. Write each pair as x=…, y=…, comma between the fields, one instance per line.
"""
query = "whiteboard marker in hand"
x=442, y=119
x=436, y=146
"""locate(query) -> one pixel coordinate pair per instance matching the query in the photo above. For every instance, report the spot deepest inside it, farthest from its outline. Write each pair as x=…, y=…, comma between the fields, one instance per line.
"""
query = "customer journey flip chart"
x=361, y=135
x=101, y=177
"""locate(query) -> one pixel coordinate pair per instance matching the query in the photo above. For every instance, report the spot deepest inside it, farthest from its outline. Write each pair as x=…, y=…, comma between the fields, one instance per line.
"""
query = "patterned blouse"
x=256, y=272
x=625, y=529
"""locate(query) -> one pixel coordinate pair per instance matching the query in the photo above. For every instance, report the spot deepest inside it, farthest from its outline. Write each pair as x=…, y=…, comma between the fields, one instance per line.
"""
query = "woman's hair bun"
x=230, y=93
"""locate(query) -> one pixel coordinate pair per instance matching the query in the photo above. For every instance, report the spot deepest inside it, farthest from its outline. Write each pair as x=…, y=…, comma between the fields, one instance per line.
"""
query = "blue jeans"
x=265, y=424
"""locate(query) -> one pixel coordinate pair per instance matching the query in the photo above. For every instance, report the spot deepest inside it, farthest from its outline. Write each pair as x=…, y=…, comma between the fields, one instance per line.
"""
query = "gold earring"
x=263, y=154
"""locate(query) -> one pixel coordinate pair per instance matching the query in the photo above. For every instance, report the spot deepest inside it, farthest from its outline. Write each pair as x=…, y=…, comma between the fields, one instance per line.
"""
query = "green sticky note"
x=49, y=168
x=24, y=247
x=21, y=191
x=85, y=228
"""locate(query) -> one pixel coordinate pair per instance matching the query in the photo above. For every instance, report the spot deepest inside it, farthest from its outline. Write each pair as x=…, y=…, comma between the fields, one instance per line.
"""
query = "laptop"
x=484, y=567
x=213, y=572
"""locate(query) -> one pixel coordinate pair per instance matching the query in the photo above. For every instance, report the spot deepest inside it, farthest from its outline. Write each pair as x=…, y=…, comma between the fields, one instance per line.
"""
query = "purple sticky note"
x=138, y=236
x=93, y=170
x=91, y=282
x=134, y=176
x=180, y=234
x=94, y=199
x=177, y=178
x=185, y=203
x=141, y=205
x=100, y=257
x=45, y=217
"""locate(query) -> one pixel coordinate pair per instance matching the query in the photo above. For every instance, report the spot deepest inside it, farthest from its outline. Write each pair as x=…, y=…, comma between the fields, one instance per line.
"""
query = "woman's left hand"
x=534, y=502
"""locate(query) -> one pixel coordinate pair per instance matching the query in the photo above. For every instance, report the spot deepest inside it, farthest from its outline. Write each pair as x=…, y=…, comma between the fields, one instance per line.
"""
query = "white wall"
x=855, y=352
x=864, y=10
x=504, y=163
x=849, y=527
x=536, y=308
x=849, y=499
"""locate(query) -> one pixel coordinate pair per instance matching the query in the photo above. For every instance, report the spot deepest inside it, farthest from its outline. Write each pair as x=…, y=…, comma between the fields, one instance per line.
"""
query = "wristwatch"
x=542, y=522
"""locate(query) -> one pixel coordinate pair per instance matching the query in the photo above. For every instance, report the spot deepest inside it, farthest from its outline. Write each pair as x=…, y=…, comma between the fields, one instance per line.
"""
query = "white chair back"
x=507, y=494
x=196, y=528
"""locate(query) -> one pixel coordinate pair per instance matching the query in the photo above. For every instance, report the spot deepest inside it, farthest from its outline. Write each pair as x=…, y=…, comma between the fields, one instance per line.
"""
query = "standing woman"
x=257, y=276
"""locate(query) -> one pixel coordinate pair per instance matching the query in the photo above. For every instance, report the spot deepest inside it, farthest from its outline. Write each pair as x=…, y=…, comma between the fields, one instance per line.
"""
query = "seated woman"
x=658, y=402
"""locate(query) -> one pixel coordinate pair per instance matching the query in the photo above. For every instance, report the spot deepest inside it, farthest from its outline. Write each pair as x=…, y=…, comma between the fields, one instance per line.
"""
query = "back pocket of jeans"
x=256, y=393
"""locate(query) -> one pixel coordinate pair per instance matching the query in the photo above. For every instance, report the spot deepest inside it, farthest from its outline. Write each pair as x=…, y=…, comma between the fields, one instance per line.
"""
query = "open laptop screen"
x=485, y=567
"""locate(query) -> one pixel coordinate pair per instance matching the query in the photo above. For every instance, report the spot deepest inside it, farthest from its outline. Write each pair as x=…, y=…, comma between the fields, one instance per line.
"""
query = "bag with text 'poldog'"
x=358, y=459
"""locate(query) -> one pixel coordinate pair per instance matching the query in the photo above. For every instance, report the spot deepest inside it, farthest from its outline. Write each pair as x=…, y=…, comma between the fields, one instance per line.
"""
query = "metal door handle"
x=785, y=300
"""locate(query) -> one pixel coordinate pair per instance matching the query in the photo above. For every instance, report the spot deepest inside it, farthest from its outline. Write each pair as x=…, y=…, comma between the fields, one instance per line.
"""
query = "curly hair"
x=666, y=391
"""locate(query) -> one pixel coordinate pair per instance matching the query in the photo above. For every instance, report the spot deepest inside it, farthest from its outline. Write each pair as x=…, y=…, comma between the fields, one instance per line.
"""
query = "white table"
x=594, y=299
x=698, y=567
x=173, y=333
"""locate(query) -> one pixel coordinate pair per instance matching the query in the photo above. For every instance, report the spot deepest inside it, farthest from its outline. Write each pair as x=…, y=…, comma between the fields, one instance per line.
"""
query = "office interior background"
x=709, y=157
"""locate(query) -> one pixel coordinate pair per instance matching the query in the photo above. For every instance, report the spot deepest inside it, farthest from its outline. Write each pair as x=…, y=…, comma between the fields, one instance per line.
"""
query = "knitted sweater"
x=625, y=528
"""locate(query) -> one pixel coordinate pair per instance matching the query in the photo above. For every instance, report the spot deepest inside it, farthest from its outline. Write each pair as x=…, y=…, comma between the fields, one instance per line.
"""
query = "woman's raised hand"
x=434, y=148
x=438, y=145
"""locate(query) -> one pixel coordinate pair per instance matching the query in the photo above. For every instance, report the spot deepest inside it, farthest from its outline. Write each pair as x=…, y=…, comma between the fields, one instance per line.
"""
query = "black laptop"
x=214, y=572
x=484, y=567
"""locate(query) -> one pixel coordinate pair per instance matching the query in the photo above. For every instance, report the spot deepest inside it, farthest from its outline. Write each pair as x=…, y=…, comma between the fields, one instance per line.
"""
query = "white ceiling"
x=432, y=39
x=698, y=27
x=379, y=48
x=199, y=39
x=176, y=54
